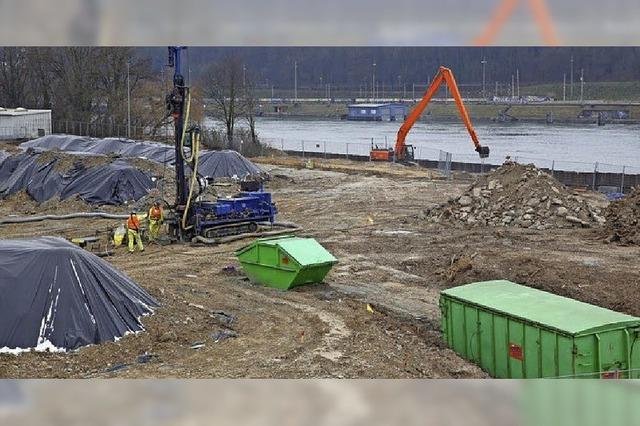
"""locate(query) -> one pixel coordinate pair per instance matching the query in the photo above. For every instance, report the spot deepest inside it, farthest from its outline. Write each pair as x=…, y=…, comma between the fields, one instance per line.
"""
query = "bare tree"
x=115, y=65
x=13, y=76
x=223, y=85
x=40, y=77
x=249, y=106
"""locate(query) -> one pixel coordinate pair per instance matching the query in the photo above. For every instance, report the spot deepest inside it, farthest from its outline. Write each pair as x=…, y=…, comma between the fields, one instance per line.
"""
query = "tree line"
x=97, y=85
x=353, y=66
x=85, y=84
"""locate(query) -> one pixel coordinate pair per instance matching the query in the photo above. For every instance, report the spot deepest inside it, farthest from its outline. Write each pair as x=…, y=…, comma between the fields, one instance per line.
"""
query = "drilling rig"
x=191, y=215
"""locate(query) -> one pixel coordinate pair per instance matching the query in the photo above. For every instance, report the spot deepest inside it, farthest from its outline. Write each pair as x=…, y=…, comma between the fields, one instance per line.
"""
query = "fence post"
x=347, y=150
x=595, y=174
x=325, y=150
x=553, y=166
x=66, y=129
x=622, y=180
x=302, y=148
x=385, y=141
x=282, y=144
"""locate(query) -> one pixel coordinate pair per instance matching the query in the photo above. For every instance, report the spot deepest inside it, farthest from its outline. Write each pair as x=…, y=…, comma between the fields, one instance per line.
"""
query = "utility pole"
x=513, y=87
x=373, y=81
x=564, y=86
x=484, y=91
x=128, y=102
x=571, y=78
x=413, y=92
x=272, y=93
x=518, y=82
x=496, y=93
x=295, y=80
x=581, y=84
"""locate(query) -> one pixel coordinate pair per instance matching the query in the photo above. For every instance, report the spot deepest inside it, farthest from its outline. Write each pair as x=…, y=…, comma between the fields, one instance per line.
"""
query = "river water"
x=565, y=147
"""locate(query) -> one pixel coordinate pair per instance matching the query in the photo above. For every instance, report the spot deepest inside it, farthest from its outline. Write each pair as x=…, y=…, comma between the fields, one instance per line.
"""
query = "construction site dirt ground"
x=372, y=218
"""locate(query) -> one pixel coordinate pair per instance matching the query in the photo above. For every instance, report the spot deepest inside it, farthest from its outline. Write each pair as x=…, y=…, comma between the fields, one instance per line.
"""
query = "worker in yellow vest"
x=133, y=232
x=156, y=217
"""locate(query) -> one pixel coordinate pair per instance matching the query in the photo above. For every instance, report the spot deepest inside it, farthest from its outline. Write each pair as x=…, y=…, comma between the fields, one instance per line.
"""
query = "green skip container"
x=286, y=261
x=514, y=331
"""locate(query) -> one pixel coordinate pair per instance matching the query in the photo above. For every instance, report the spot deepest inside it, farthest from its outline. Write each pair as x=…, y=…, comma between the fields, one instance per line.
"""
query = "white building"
x=19, y=123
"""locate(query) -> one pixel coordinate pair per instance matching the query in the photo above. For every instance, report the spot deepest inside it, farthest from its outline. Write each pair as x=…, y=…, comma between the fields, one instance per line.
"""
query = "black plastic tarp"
x=154, y=151
x=213, y=164
x=114, y=184
x=109, y=184
x=227, y=163
x=57, y=296
x=3, y=156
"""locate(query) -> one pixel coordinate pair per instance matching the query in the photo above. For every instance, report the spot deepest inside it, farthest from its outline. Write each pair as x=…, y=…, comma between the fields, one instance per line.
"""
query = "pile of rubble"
x=623, y=219
x=518, y=195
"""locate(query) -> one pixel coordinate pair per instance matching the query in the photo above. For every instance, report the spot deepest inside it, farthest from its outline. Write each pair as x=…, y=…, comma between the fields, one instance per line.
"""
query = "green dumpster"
x=286, y=261
x=514, y=331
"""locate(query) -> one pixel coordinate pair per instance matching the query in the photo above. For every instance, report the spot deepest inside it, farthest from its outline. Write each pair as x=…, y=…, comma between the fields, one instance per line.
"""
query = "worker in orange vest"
x=156, y=217
x=133, y=232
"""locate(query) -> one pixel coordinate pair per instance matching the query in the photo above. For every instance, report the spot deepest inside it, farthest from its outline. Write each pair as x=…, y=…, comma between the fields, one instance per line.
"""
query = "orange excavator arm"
x=444, y=76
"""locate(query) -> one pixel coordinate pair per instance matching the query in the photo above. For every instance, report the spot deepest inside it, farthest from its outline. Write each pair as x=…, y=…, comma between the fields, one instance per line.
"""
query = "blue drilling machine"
x=191, y=216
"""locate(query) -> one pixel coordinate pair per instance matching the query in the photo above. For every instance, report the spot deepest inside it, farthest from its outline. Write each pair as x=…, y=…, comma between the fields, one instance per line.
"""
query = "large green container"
x=285, y=262
x=513, y=331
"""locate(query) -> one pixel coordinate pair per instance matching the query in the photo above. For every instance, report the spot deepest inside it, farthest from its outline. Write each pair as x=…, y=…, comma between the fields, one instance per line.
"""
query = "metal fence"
x=99, y=129
x=597, y=175
x=444, y=164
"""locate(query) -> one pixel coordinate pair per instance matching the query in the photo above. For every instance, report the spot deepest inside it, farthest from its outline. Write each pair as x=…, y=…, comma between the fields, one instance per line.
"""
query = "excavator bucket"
x=483, y=151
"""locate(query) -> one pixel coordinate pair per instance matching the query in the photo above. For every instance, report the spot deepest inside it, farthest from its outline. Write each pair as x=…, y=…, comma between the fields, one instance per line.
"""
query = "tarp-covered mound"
x=213, y=164
x=114, y=184
x=227, y=163
x=154, y=151
x=56, y=296
x=107, y=184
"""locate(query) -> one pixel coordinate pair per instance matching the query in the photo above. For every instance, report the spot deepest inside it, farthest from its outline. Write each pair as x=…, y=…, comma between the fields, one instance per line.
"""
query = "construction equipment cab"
x=405, y=153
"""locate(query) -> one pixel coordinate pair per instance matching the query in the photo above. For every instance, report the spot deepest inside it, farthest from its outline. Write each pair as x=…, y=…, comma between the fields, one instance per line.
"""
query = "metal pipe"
x=231, y=238
x=79, y=215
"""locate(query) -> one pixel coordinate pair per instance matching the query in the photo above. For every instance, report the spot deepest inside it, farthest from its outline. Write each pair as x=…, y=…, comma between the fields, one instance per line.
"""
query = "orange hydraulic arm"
x=444, y=76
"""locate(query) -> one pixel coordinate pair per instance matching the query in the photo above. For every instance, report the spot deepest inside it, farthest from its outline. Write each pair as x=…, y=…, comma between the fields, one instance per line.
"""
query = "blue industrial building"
x=377, y=112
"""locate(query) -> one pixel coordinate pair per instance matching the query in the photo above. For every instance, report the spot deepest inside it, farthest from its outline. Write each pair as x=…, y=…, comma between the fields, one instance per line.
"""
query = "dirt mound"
x=518, y=195
x=623, y=219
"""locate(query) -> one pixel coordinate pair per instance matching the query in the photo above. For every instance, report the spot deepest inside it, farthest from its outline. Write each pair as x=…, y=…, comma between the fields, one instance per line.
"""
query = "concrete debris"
x=518, y=195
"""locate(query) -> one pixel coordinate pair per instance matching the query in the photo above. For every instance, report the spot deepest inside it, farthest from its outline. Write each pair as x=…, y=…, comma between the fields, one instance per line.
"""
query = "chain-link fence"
x=597, y=176
x=444, y=164
x=102, y=129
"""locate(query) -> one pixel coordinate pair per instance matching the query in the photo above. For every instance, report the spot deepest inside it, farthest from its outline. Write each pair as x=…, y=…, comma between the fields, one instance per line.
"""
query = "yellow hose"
x=195, y=151
x=185, y=124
